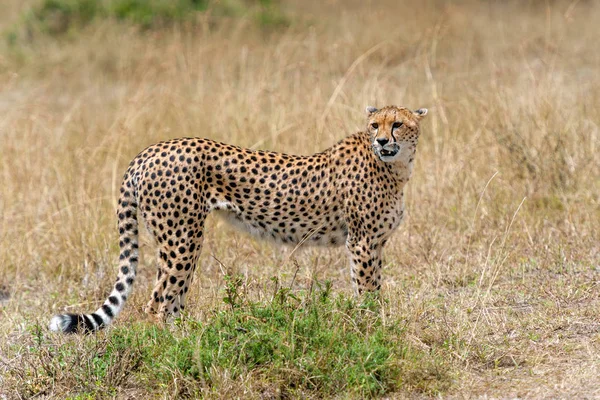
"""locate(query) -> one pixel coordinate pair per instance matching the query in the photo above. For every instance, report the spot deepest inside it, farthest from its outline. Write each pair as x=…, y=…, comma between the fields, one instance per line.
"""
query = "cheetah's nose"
x=382, y=141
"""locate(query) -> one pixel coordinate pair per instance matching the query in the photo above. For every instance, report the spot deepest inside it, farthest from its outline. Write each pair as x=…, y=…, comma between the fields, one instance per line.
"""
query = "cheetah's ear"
x=420, y=113
x=370, y=110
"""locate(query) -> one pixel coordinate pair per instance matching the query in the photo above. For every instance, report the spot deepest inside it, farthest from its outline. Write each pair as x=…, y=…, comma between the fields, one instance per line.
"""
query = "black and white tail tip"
x=76, y=323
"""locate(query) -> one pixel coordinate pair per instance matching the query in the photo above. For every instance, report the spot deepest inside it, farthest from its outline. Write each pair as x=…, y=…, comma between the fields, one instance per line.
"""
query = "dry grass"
x=497, y=268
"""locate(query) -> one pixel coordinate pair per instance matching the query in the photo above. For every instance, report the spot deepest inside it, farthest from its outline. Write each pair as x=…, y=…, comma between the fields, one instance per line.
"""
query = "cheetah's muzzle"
x=388, y=150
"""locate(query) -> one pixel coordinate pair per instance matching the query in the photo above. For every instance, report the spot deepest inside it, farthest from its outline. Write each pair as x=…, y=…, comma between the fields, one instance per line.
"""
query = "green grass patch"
x=311, y=343
x=60, y=17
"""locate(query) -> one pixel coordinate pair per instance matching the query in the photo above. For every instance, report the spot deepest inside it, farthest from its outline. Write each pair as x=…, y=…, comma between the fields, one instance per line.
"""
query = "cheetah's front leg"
x=365, y=263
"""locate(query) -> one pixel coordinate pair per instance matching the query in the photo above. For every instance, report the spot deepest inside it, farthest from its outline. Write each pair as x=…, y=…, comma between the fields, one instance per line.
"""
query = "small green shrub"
x=312, y=342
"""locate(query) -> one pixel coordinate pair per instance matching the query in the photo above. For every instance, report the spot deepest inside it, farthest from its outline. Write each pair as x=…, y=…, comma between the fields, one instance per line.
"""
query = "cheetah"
x=352, y=194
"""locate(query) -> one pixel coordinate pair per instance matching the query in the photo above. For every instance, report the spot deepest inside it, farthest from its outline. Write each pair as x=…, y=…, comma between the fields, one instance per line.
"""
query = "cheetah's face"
x=394, y=131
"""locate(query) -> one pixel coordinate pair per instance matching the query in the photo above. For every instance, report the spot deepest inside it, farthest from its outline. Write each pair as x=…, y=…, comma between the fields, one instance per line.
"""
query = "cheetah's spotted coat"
x=351, y=193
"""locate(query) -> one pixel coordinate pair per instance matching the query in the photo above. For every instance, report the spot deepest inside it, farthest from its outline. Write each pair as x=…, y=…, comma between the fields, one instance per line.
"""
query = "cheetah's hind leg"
x=177, y=264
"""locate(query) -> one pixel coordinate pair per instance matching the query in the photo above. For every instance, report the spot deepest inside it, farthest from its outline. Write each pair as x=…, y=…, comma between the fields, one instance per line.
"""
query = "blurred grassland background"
x=491, y=284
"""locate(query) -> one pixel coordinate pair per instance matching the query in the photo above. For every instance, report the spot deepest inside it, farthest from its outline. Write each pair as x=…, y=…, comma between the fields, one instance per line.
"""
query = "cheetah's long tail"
x=128, y=260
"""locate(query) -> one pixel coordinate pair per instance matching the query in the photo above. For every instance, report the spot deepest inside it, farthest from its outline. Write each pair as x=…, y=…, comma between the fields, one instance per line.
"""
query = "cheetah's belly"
x=324, y=231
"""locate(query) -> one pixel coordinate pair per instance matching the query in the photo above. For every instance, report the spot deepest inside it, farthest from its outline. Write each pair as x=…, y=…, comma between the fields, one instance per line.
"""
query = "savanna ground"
x=492, y=283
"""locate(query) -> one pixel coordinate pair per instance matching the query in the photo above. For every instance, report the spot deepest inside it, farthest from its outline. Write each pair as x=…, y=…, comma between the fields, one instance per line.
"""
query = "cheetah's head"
x=394, y=132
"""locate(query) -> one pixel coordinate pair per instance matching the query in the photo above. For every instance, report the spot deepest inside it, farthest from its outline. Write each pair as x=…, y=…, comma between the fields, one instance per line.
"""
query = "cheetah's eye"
x=396, y=125
x=374, y=125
